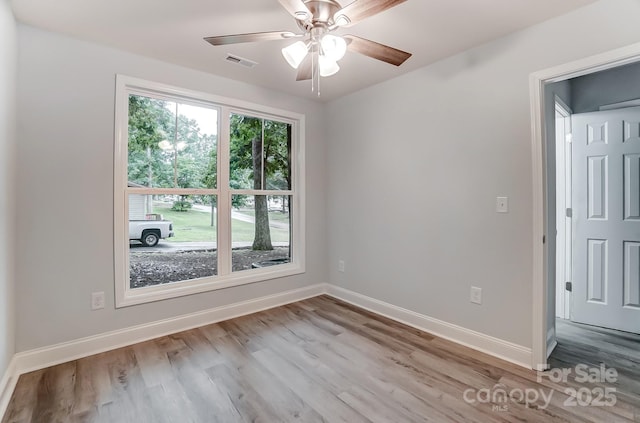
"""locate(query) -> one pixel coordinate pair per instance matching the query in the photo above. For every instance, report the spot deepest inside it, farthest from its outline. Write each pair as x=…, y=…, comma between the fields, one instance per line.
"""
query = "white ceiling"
x=173, y=31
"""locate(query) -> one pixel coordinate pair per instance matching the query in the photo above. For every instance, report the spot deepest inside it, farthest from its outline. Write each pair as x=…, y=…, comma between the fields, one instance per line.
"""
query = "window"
x=208, y=192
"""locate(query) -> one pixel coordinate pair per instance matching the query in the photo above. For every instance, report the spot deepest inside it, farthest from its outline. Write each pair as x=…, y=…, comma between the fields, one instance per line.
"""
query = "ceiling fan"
x=317, y=53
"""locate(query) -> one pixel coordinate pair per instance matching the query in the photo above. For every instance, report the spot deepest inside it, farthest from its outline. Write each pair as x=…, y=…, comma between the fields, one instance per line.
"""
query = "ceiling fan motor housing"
x=322, y=12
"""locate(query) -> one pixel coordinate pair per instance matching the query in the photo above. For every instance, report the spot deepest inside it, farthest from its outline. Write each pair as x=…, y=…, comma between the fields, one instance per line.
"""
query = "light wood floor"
x=315, y=360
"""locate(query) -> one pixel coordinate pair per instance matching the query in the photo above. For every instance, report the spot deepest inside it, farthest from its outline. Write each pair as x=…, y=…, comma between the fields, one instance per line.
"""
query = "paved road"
x=165, y=246
x=173, y=247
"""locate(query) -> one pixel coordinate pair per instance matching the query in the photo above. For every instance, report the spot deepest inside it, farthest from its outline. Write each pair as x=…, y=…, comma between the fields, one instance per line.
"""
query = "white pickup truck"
x=150, y=232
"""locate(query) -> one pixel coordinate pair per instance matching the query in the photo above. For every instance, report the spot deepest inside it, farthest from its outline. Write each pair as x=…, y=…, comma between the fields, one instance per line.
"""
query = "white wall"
x=8, y=63
x=416, y=163
x=615, y=85
x=8, y=41
x=65, y=187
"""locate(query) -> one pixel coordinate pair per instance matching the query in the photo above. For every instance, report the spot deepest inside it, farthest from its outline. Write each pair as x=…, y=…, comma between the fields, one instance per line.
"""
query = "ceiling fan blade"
x=305, y=69
x=376, y=50
x=249, y=38
x=296, y=8
x=362, y=9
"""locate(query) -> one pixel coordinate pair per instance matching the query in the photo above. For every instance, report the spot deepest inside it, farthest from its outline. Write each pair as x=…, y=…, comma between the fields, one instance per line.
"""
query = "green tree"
x=149, y=122
x=260, y=151
x=188, y=154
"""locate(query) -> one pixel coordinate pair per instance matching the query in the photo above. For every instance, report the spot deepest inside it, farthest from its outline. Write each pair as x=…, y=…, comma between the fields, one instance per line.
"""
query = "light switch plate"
x=476, y=295
x=97, y=300
x=502, y=204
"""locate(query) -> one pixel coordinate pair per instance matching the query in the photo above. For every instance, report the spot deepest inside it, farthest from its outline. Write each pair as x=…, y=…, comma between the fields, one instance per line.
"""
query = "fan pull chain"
x=315, y=66
x=318, y=76
x=313, y=71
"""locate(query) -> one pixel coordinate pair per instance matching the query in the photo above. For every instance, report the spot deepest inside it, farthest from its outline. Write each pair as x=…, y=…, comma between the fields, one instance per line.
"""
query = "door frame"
x=537, y=80
x=564, y=257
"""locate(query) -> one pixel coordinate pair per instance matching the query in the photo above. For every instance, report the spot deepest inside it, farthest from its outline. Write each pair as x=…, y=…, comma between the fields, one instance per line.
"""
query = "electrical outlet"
x=502, y=204
x=97, y=300
x=476, y=295
x=340, y=265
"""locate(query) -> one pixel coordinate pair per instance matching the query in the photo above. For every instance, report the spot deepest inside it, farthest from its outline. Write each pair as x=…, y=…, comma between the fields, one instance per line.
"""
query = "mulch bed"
x=148, y=269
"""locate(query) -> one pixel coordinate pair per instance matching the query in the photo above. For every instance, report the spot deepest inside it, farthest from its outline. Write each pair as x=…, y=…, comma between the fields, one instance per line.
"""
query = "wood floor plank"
x=251, y=406
x=155, y=367
x=278, y=393
x=55, y=393
x=85, y=394
x=208, y=398
x=326, y=403
x=167, y=404
x=323, y=360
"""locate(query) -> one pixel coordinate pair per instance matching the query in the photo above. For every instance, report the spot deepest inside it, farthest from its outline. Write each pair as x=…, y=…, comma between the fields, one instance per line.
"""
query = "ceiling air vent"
x=240, y=61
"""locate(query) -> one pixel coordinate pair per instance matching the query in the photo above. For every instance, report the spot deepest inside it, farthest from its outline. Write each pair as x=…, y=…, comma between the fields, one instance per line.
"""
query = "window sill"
x=149, y=294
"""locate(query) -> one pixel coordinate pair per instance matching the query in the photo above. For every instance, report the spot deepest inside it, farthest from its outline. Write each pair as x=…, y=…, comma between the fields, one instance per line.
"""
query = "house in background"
x=140, y=206
x=401, y=174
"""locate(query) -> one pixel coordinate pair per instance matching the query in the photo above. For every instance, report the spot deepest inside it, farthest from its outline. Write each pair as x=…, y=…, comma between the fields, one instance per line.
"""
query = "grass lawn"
x=195, y=226
x=274, y=216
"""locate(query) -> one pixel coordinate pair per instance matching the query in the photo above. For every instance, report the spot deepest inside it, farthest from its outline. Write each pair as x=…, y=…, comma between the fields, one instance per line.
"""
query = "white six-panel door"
x=606, y=218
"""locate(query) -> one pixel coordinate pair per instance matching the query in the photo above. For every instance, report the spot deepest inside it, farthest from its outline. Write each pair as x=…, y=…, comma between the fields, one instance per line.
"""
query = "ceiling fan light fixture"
x=295, y=53
x=333, y=47
x=327, y=66
x=318, y=53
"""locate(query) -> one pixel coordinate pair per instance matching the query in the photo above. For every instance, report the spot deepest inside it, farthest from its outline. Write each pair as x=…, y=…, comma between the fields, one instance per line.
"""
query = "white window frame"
x=124, y=294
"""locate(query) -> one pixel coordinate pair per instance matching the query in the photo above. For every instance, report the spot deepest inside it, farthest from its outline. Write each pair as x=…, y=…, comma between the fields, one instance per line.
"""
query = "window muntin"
x=205, y=167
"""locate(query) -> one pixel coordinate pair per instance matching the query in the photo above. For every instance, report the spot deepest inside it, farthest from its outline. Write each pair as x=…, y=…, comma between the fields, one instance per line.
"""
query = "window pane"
x=245, y=152
x=150, y=122
x=277, y=155
x=161, y=158
x=260, y=231
x=260, y=154
x=171, y=238
x=195, y=147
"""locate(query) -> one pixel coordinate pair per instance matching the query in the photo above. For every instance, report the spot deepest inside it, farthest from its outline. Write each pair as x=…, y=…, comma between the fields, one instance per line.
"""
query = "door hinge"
x=544, y=239
x=569, y=137
x=568, y=286
x=569, y=212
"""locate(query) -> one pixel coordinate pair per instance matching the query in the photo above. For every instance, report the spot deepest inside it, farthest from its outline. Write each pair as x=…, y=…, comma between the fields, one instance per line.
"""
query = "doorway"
x=606, y=220
x=549, y=297
x=563, y=209
x=598, y=215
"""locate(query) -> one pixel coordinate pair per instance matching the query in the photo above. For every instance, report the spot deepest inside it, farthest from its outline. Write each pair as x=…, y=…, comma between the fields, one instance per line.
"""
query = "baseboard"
x=7, y=385
x=504, y=350
x=67, y=351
